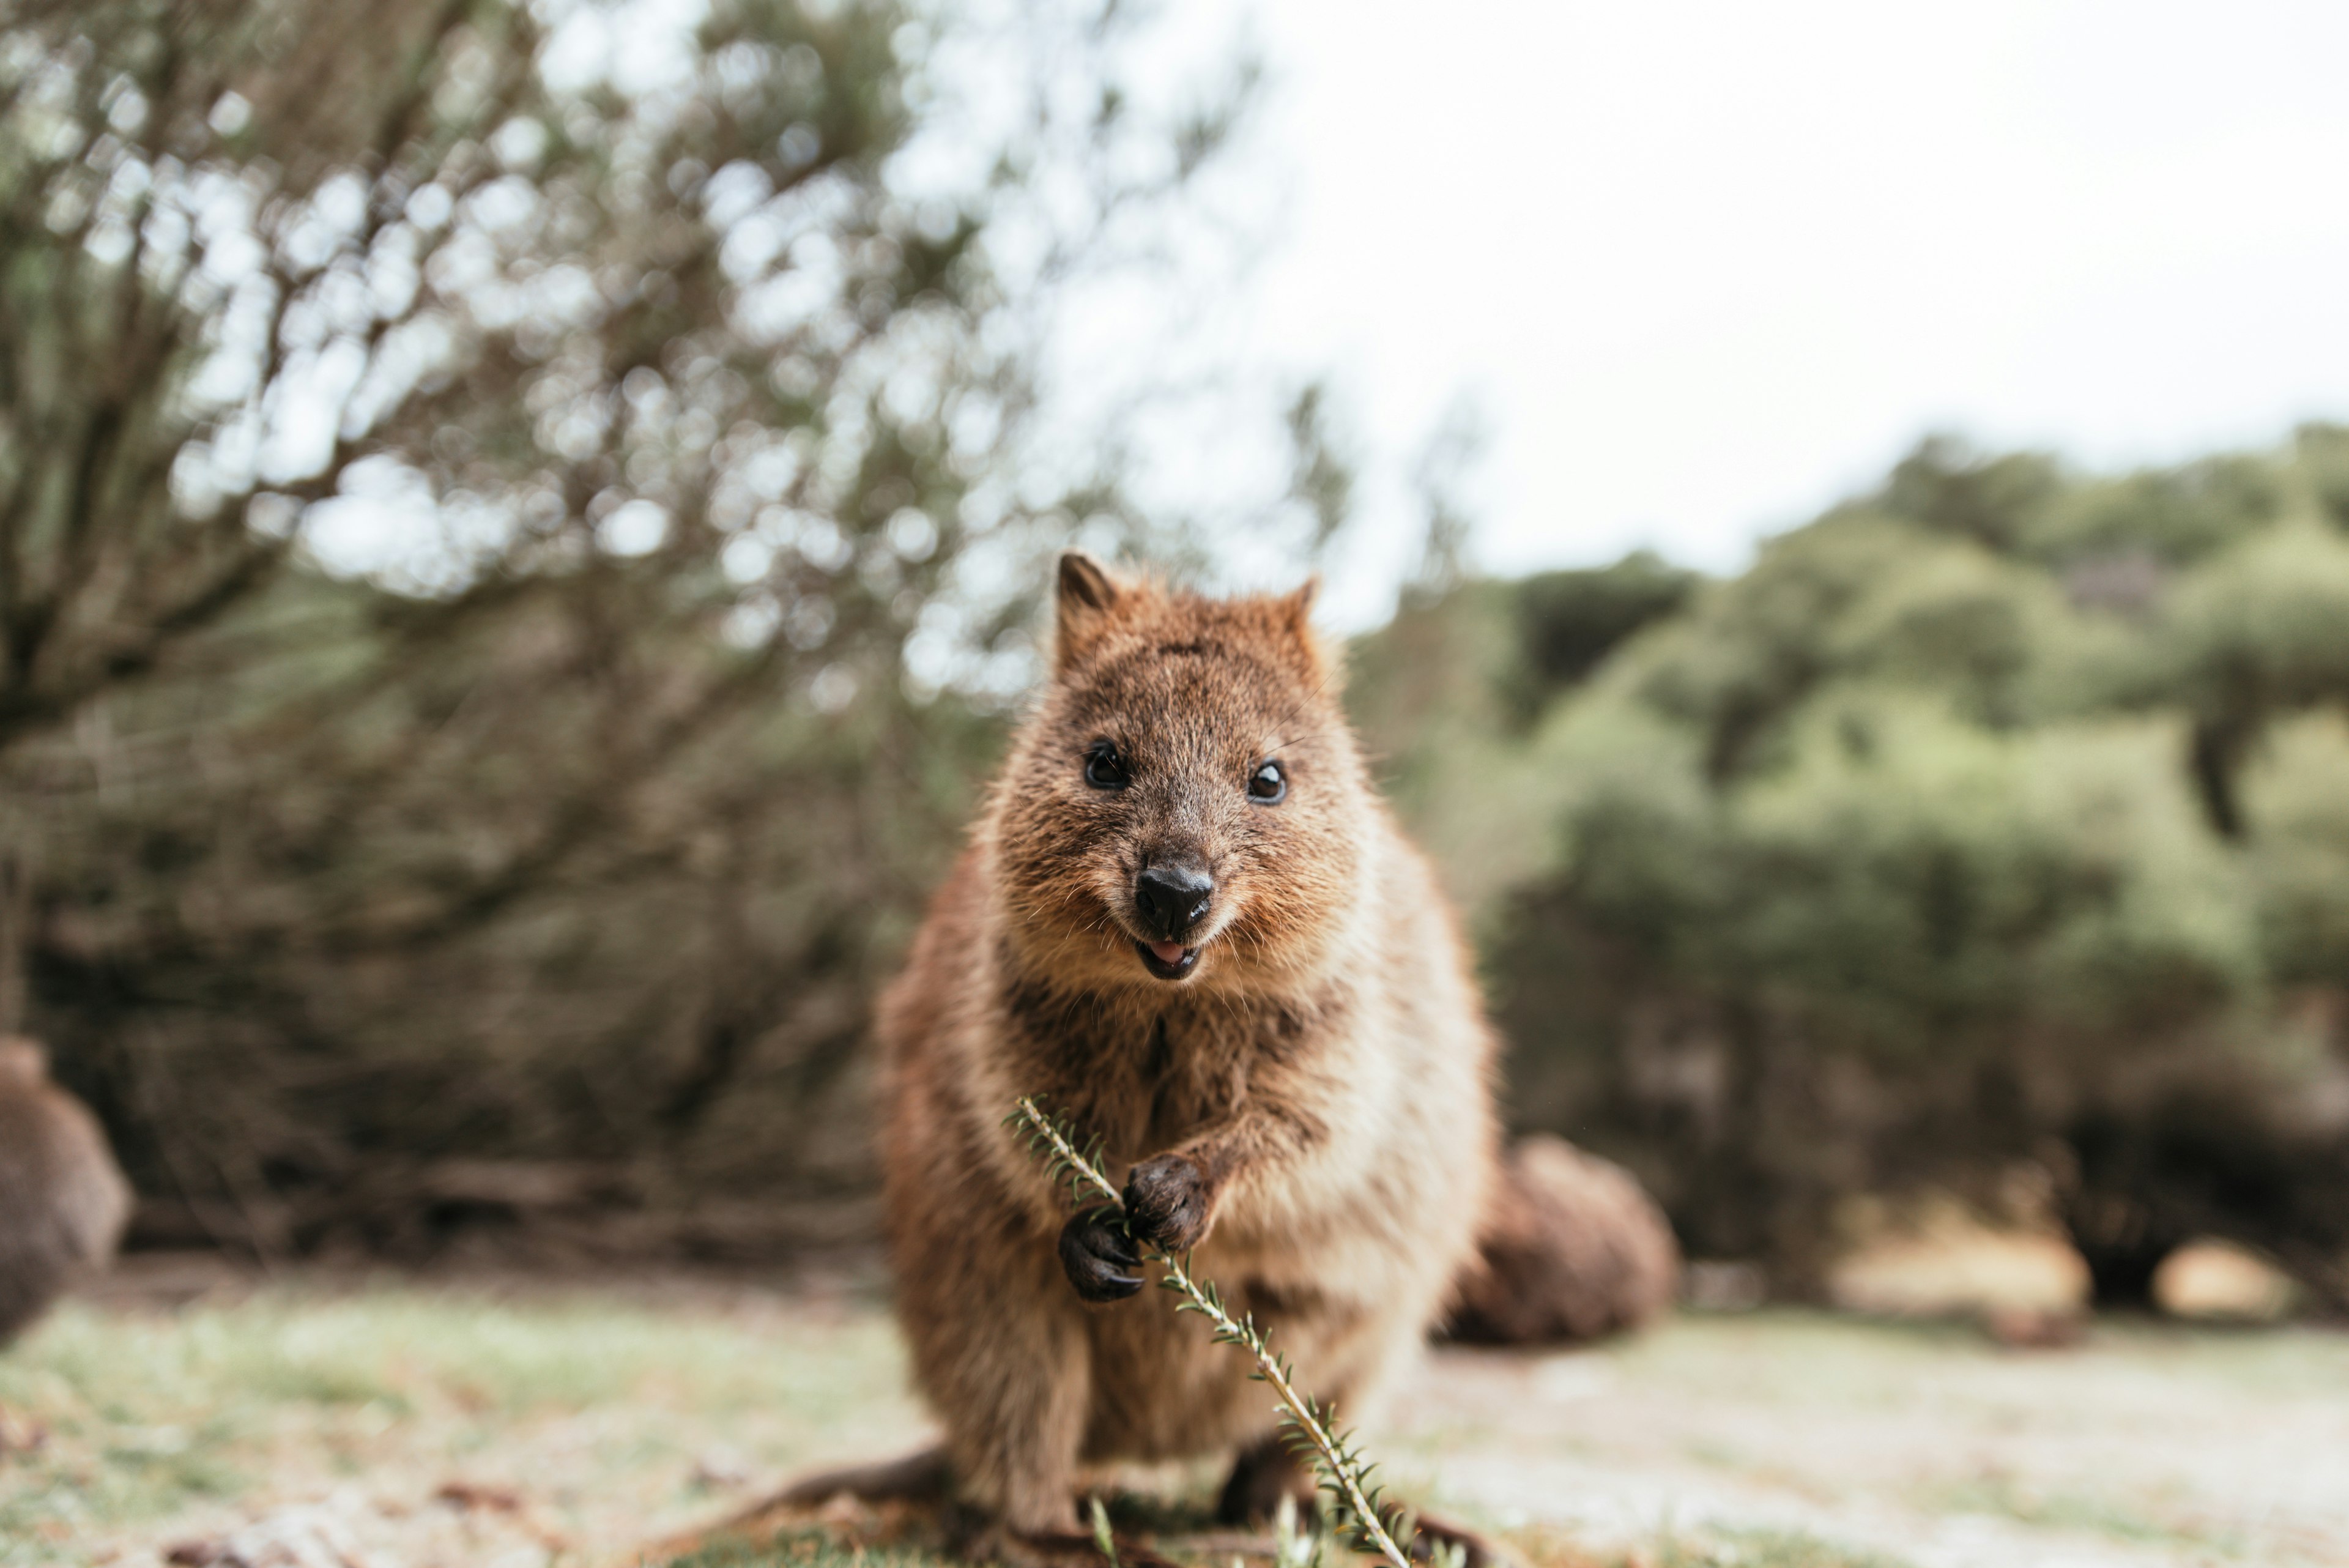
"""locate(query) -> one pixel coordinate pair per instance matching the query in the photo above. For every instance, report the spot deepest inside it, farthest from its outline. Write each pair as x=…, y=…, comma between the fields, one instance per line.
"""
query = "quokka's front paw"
x=1098, y=1257
x=1166, y=1201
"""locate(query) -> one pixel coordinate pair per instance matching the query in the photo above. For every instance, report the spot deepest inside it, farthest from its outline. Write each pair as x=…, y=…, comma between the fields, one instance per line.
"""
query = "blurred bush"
x=511, y=547
x=1988, y=833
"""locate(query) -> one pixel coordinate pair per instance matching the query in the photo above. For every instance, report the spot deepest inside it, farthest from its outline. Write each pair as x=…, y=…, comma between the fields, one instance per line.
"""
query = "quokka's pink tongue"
x=1167, y=953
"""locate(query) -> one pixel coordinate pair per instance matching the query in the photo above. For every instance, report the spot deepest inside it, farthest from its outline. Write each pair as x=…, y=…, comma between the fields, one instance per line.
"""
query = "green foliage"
x=1571, y=621
x=2300, y=859
x=2257, y=630
x=1102, y=1538
x=1970, y=816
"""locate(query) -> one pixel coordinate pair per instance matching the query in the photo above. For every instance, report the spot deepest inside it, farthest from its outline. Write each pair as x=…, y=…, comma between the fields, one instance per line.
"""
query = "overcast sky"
x=1706, y=265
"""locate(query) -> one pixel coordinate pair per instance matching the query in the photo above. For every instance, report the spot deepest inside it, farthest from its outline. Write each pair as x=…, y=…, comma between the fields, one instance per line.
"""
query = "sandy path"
x=2143, y=1446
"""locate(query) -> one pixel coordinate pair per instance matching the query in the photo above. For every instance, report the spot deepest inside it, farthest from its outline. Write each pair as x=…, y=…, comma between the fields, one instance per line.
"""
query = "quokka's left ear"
x=1087, y=600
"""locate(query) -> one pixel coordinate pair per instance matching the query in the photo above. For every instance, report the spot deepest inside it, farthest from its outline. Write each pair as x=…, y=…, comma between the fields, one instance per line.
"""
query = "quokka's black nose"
x=1172, y=899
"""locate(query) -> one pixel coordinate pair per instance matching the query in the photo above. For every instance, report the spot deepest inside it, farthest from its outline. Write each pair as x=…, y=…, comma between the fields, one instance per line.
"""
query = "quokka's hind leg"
x=1000, y=1348
x=1013, y=1442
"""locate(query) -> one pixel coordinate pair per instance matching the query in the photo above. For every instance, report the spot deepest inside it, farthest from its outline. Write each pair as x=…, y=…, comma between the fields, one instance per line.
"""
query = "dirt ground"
x=331, y=1422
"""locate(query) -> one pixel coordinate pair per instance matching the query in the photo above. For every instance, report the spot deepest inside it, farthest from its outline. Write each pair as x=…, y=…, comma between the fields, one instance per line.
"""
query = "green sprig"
x=1358, y=1510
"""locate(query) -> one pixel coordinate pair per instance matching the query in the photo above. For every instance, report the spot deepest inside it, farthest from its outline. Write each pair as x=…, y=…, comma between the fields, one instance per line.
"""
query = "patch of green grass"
x=1785, y=1355
x=92, y=1471
x=1716, y=1455
x=1728, y=1548
x=148, y=1414
x=810, y=1549
x=2084, y=1511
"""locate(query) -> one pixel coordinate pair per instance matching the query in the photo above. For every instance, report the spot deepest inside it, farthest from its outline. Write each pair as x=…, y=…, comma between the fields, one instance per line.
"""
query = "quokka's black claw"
x=1166, y=1201
x=1096, y=1254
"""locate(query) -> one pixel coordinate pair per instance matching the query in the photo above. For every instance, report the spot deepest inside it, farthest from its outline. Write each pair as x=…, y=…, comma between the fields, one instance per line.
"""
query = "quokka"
x=1187, y=922
x=63, y=1200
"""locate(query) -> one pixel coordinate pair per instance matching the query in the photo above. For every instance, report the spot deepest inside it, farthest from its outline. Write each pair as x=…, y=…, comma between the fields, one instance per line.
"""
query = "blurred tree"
x=1440, y=476
x=1571, y=621
x=509, y=534
x=1991, y=822
x=1321, y=473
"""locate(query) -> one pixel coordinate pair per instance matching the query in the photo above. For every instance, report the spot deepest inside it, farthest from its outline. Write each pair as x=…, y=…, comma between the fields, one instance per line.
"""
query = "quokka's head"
x=1187, y=805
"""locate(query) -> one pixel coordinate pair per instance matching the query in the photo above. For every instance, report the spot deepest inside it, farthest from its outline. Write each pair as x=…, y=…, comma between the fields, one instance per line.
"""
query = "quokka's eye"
x=1267, y=783
x=1105, y=769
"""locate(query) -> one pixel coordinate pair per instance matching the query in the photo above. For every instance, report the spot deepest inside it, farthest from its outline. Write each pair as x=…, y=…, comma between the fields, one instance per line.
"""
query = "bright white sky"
x=1706, y=264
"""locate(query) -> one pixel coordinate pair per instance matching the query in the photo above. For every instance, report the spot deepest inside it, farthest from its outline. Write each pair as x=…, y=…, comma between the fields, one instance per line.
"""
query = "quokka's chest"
x=1160, y=1079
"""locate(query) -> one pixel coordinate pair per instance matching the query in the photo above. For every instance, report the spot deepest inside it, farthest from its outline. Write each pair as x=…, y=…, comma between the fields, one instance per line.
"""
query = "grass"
x=147, y=1415
x=2082, y=1511
x=820, y=1548
x=1760, y=1549
x=568, y=1427
x=808, y=1549
x=1683, y=1547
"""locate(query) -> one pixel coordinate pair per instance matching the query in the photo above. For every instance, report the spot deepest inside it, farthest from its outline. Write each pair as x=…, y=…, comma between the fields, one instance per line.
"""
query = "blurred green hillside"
x=1991, y=831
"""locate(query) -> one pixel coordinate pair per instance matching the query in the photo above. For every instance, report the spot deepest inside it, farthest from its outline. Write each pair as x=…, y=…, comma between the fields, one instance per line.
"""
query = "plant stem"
x=1343, y=1471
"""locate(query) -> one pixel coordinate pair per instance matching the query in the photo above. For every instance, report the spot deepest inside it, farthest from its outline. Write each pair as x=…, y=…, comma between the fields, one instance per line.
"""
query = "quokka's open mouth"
x=1168, y=960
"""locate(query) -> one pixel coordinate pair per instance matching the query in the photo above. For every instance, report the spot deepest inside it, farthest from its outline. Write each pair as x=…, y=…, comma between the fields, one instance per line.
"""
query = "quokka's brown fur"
x=63, y=1200
x=1310, y=1105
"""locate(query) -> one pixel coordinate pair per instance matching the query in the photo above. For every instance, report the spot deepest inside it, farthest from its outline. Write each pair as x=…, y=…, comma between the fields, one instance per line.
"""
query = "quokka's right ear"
x=1088, y=599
